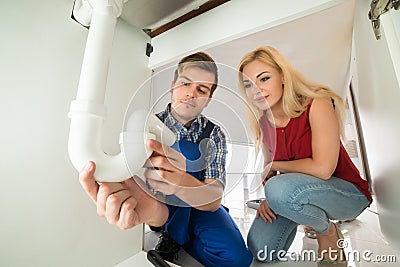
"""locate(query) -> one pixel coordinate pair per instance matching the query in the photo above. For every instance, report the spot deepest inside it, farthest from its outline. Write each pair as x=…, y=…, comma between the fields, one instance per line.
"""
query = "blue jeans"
x=301, y=199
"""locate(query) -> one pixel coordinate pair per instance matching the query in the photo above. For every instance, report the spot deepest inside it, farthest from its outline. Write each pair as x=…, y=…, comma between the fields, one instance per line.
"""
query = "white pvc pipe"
x=94, y=72
x=87, y=112
x=85, y=145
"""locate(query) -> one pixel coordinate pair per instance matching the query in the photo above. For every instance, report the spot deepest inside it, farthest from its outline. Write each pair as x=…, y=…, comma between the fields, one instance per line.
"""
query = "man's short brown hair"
x=202, y=61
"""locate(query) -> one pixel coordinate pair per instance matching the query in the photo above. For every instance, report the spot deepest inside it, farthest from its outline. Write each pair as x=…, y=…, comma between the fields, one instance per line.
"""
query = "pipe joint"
x=80, y=107
x=83, y=9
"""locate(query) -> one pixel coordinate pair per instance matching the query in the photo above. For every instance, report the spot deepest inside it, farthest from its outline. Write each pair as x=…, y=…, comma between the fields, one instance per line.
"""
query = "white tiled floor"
x=363, y=235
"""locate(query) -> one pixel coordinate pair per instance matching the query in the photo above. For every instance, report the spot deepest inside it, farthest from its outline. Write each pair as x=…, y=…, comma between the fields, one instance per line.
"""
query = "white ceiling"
x=319, y=45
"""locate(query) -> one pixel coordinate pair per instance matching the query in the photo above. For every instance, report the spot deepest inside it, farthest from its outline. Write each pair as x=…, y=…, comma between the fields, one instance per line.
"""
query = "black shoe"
x=167, y=247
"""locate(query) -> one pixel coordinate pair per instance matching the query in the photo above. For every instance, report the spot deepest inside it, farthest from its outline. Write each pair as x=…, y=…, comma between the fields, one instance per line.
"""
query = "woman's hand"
x=265, y=212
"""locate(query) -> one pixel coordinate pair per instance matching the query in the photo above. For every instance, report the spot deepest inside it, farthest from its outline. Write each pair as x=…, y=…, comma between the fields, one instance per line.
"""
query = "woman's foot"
x=330, y=253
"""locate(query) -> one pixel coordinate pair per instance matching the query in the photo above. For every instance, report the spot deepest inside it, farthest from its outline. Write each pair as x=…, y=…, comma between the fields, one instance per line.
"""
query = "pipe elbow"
x=85, y=142
x=84, y=145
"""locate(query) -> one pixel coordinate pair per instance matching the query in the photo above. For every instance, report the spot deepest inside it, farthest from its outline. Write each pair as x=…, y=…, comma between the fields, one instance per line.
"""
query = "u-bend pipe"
x=88, y=111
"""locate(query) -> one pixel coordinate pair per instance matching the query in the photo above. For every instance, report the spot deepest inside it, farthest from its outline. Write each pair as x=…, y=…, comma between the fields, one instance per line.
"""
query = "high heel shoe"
x=310, y=232
x=342, y=261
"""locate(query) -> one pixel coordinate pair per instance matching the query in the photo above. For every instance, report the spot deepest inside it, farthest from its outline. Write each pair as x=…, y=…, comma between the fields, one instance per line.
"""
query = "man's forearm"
x=160, y=216
x=205, y=195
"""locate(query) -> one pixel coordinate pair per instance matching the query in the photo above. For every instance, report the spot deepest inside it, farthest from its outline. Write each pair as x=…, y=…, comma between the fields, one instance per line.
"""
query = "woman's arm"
x=325, y=132
x=267, y=172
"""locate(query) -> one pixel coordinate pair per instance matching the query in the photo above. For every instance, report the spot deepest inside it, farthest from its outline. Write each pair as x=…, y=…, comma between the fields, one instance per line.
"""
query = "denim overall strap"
x=179, y=211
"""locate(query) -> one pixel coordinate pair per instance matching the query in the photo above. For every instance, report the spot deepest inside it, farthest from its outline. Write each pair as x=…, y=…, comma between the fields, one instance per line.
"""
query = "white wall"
x=46, y=218
x=228, y=22
x=377, y=96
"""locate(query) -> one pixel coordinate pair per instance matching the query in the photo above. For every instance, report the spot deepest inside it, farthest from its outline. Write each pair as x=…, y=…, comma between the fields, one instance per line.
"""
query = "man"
x=190, y=183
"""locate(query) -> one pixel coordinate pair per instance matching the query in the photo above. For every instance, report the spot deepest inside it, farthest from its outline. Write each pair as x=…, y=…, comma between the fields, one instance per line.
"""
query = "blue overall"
x=212, y=238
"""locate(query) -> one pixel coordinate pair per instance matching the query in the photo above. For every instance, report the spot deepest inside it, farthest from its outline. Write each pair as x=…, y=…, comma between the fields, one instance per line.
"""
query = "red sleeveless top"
x=294, y=142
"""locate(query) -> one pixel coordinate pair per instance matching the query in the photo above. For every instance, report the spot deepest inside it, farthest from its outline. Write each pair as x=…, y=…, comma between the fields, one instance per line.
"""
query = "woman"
x=309, y=177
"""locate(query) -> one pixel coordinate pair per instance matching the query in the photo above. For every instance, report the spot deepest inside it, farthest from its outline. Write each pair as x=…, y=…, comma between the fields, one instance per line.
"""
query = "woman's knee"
x=283, y=189
x=276, y=192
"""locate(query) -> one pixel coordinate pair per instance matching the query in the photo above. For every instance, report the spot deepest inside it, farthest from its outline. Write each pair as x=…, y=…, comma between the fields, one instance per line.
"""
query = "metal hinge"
x=149, y=49
x=379, y=7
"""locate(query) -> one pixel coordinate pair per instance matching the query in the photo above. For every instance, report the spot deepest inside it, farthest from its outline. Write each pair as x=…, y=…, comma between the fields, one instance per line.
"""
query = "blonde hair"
x=298, y=91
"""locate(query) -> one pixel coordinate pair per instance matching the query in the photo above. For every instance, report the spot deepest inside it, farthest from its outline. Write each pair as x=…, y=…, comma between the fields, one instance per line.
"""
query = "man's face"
x=190, y=93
